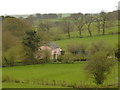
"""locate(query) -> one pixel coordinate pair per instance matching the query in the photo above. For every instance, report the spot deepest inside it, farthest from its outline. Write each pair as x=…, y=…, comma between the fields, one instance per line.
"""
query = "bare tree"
x=67, y=26
x=80, y=25
x=104, y=17
x=44, y=26
x=98, y=22
x=88, y=21
x=79, y=22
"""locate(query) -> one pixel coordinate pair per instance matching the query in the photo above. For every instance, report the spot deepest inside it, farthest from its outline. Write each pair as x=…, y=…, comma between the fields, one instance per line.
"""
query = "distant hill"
x=25, y=16
x=65, y=14
x=18, y=16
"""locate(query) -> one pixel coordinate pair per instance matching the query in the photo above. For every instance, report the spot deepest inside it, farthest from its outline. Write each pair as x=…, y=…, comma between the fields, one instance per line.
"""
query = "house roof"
x=53, y=45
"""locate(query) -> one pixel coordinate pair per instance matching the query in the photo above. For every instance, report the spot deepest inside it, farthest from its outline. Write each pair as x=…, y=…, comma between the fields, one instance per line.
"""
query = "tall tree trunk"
x=80, y=33
x=98, y=30
x=103, y=26
x=98, y=26
x=69, y=35
x=89, y=30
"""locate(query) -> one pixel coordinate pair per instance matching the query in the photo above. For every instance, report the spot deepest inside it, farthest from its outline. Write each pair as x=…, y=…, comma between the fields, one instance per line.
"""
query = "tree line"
x=20, y=41
x=101, y=21
x=76, y=22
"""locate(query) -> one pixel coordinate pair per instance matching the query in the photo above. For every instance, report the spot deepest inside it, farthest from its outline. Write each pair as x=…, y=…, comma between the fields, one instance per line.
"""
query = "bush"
x=57, y=37
x=77, y=48
x=12, y=55
x=79, y=51
x=102, y=46
x=9, y=58
x=111, y=33
x=43, y=56
x=99, y=66
x=46, y=55
x=67, y=58
x=100, y=61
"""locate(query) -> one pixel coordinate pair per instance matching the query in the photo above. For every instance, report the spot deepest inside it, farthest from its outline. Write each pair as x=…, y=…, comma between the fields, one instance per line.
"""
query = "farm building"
x=54, y=50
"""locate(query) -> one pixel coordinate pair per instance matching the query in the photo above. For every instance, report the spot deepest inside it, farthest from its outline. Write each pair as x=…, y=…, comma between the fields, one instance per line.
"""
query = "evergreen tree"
x=31, y=43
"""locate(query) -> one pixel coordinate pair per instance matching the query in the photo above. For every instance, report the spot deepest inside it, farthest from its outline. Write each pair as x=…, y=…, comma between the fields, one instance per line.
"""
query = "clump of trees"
x=66, y=58
x=44, y=26
x=21, y=41
x=15, y=26
x=13, y=29
x=77, y=48
x=13, y=56
x=74, y=52
x=79, y=51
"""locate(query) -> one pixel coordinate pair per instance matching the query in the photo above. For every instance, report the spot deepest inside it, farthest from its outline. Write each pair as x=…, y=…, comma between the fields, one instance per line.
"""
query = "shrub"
x=99, y=66
x=57, y=37
x=111, y=33
x=100, y=61
x=43, y=56
x=46, y=55
x=12, y=55
x=102, y=46
x=77, y=48
x=66, y=58
x=9, y=58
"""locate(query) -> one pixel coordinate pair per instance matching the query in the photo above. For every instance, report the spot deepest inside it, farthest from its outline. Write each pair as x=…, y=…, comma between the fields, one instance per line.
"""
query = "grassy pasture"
x=47, y=73
x=93, y=30
x=109, y=39
x=17, y=85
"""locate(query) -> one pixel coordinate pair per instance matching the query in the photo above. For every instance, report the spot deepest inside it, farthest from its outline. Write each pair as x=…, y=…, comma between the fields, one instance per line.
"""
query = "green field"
x=17, y=85
x=94, y=32
x=109, y=39
x=44, y=75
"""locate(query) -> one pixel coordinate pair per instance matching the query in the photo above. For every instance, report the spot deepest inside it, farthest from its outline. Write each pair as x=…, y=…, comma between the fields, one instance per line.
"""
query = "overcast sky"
x=13, y=7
